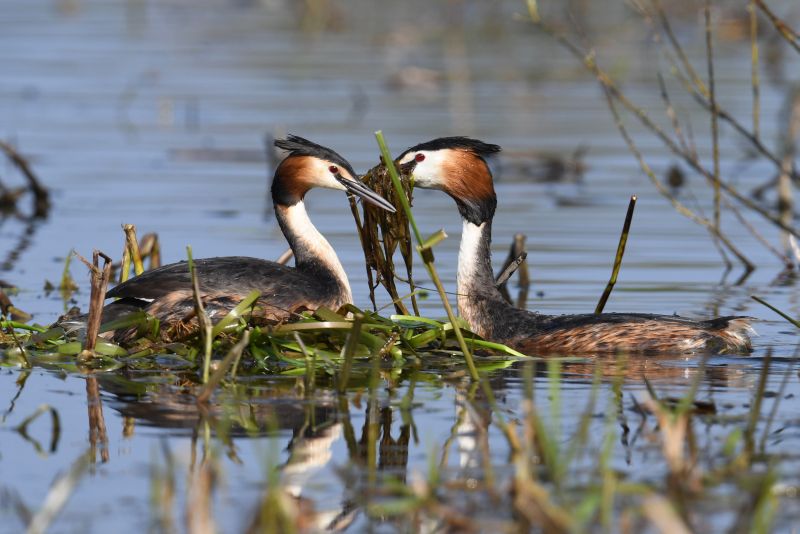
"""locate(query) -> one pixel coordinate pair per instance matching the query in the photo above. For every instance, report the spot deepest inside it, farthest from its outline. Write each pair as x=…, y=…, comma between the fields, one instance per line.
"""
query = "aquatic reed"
x=623, y=239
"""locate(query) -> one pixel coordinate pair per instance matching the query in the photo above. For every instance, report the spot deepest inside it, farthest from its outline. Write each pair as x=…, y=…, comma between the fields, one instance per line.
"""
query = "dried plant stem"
x=695, y=86
x=427, y=255
x=614, y=92
x=133, y=245
x=754, y=77
x=125, y=268
x=687, y=65
x=623, y=240
x=673, y=117
x=284, y=258
x=99, y=283
x=676, y=204
x=786, y=260
x=203, y=322
x=712, y=98
x=150, y=247
x=785, y=31
x=516, y=259
x=791, y=110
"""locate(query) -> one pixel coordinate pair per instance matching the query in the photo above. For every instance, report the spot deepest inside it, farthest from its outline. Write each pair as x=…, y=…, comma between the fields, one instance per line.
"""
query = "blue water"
x=155, y=113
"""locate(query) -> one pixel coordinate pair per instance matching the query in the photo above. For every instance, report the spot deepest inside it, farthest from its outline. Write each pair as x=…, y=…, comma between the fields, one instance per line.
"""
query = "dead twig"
x=515, y=259
x=785, y=31
x=712, y=99
x=99, y=283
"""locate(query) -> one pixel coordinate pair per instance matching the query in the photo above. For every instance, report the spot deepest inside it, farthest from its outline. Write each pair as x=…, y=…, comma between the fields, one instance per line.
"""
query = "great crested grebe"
x=456, y=166
x=318, y=278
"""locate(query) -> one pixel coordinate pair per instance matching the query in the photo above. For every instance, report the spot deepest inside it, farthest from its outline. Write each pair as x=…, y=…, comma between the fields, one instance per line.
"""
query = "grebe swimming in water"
x=318, y=278
x=456, y=166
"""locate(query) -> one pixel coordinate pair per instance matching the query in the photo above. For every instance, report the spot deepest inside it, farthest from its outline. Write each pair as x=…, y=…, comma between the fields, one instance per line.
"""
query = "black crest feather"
x=299, y=146
x=457, y=143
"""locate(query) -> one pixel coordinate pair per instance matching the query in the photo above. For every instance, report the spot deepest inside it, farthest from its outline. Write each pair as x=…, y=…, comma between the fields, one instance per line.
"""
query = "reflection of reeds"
x=41, y=197
x=97, y=423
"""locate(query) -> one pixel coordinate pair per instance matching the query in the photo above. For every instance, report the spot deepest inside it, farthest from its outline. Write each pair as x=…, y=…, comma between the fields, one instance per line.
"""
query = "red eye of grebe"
x=334, y=169
x=419, y=157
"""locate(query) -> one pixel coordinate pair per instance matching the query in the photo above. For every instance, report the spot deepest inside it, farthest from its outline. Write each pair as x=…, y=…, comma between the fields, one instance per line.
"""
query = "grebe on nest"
x=317, y=280
x=456, y=166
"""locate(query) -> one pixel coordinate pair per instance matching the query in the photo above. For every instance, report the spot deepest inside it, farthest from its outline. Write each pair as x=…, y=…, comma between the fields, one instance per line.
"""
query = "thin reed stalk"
x=219, y=373
x=349, y=353
x=133, y=245
x=795, y=322
x=623, y=240
x=676, y=204
x=755, y=406
x=60, y=491
x=754, y=65
x=616, y=94
x=516, y=261
x=784, y=30
x=151, y=248
x=99, y=283
x=712, y=98
x=426, y=253
x=125, y=267
x=203, y=322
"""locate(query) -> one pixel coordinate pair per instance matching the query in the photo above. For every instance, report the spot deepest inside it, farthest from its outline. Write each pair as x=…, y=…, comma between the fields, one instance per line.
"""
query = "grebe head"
x=310, y=165
x=455, y=165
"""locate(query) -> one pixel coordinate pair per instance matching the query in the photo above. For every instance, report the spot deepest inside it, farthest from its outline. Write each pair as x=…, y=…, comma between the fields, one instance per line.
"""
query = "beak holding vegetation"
x=365, y=193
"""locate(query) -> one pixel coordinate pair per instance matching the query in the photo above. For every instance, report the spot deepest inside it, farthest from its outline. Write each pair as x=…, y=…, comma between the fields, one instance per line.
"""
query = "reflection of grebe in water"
x=316, y=427
x=456, y=166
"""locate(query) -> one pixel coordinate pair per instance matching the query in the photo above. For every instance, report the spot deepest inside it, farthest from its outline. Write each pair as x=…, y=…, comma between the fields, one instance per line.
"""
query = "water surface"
x=155, y=114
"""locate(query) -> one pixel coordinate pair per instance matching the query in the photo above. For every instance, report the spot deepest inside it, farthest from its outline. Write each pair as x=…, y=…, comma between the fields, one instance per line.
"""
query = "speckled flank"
x=656, y=335
x=490, y=316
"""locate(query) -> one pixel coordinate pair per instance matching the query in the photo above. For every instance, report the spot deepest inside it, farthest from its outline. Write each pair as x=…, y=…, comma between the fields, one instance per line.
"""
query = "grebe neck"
x=476, y=286
x=312, y=252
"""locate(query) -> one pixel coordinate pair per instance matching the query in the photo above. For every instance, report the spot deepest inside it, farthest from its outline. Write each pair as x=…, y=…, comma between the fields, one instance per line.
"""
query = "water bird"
x=457, y=166
x=317, y=279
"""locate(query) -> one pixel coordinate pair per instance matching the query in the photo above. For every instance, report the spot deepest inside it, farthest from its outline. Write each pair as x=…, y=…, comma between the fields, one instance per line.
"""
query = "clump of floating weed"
x=382, y=233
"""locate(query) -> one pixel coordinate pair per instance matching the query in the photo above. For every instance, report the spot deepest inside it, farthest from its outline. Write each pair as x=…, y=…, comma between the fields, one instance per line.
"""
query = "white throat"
x=309, y=245
x=469, y=259
x=471, y=263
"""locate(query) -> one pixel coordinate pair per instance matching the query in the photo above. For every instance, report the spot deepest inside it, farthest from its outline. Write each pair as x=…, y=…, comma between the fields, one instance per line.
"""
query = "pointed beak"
x=365, y=193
